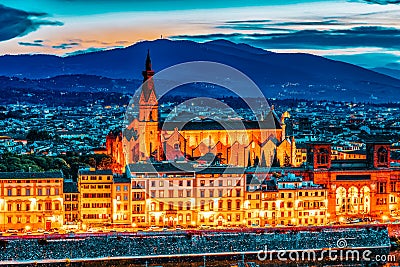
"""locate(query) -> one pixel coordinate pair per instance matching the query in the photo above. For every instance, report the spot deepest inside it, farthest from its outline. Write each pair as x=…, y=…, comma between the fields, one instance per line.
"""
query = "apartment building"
x=31, y=200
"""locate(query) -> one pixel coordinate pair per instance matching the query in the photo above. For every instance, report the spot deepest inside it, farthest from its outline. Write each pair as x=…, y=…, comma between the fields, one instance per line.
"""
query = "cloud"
x=30, y=44
x=16, y=23
x=382, y=2
x=65, y=45
x=382, y=37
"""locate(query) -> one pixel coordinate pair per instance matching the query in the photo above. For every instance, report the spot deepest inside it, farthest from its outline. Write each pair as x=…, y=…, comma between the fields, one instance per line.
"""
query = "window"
x=393, y=186
x=188, y=193
x=220, y=193
x=220, y=204
x=118, y=188
x=180, y=183
x=48, y=205
x=381, y=188
x=28, y=207
x=238, y=205
x=161, y=183
x=188, y=183
x=238, y=191
x=153, y=184
x=220, y=183
x=48, y=191
x=19, y=207
x=211, y=193
x=201, y=193
x=382, y=155
x=229, y=204
x=161, y=206
x=211, y=182
x=9, y=192
x=202, y=182
x=188, y=205
x=18, y=191
x=238, y=217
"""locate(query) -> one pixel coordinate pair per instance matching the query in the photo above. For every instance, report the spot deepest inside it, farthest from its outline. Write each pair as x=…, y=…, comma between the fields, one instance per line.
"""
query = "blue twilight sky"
x=363, y=32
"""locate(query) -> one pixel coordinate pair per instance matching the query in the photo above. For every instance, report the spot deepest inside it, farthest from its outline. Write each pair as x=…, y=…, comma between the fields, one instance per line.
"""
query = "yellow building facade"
x=95, y=201
x=31, y=200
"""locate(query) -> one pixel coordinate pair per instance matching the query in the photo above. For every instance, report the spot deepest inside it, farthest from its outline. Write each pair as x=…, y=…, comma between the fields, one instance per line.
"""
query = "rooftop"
x=26, y=175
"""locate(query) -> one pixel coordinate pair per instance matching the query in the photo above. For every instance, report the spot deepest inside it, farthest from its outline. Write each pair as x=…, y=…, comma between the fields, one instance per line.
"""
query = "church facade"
x=239, y=143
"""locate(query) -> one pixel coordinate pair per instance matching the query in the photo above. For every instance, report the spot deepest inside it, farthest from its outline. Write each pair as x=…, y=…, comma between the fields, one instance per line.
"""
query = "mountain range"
x=279, y=75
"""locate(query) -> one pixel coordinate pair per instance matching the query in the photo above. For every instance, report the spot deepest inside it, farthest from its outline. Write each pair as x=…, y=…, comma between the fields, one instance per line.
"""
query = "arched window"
x=340, y=200
x=382, y=155
x=365, y=200
x=353, y=200
x=323, y=156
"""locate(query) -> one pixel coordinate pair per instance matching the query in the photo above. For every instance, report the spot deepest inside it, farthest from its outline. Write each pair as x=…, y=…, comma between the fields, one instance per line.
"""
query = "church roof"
x=208, y=124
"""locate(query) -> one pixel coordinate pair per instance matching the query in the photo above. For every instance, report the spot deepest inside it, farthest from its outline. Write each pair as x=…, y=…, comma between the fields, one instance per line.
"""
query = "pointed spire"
x=148, y=85
x=148, y=60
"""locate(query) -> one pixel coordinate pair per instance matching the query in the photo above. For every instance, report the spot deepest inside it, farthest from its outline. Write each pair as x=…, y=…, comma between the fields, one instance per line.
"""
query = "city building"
x=71, y=204
x=356, y=188
x=31, y=200
x=240, y=142
x=121, y=208
x=163, y=194
x=95, y=197
x=219, y=196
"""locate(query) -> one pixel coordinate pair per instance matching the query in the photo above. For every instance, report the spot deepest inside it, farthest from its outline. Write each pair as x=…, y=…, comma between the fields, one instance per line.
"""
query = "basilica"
x=238, y=143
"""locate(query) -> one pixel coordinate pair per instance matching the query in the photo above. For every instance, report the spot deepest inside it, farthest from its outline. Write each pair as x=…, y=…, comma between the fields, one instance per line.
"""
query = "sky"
x=362, y=32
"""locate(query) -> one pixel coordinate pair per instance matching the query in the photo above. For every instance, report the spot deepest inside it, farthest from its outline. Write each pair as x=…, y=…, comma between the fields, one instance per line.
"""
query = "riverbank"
x=191, y=246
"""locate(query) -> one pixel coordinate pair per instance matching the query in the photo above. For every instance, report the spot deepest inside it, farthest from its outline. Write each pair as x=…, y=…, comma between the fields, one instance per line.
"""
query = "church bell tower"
x=149, y=142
